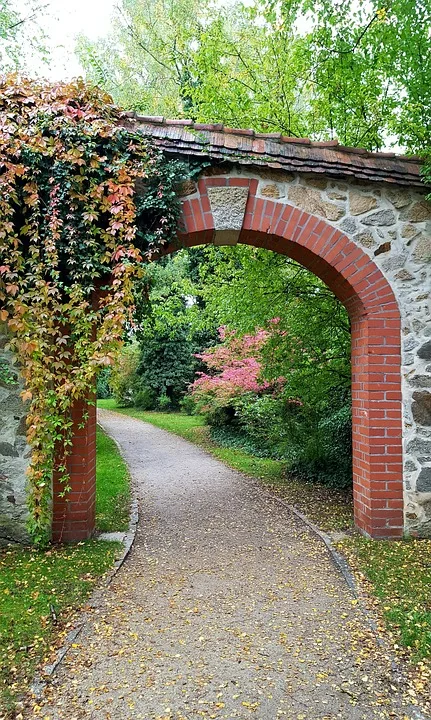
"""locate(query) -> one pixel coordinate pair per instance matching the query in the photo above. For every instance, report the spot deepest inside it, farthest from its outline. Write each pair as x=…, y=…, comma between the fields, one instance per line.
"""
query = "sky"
x=63, y=21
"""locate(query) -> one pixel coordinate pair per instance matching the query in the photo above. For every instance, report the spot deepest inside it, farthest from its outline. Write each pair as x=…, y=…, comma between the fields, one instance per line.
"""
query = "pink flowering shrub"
x=234, y=368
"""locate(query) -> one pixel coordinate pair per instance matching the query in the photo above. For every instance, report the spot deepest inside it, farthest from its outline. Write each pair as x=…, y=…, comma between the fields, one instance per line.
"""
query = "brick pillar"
x=74, y=515
x=377, y=441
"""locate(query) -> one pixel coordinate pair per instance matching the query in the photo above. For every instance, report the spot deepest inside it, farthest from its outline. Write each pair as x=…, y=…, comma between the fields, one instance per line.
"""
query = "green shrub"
x=324, y=450
x=164, y=403
x=314, y=440
x=188, y=405
x=144, y=398
x=266, y=421
x=232, y=436
x=123, y=379
x=103, y=390
x=220, y=415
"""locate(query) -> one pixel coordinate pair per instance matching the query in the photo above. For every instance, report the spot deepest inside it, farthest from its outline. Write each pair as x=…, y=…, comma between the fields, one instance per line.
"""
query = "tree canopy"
x=21, y=33
x=357, y=71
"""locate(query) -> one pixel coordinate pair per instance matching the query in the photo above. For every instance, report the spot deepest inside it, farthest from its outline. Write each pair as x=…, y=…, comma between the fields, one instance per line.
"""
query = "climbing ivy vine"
x=84, y=203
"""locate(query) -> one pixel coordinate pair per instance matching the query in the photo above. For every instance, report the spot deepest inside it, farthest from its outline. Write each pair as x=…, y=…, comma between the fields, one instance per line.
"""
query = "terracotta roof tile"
x=179, y=122
x=237, y=131
x=355, y=150
x=324, y=143
x=246, y=147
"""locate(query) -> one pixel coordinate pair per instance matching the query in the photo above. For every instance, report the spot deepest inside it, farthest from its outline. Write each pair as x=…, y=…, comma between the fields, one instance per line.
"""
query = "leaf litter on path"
x=227, y=608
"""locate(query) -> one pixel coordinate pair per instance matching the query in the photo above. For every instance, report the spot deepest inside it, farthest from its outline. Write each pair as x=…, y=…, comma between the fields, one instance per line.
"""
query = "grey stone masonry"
x=14, y=451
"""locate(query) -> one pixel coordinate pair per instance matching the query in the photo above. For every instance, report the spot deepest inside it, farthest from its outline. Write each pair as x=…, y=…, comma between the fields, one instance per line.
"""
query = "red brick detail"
x=74, y=515
x=376, y=358
x=376, y=333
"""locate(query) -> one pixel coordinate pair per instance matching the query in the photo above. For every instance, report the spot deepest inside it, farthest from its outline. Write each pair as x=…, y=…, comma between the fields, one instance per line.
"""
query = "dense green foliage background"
x=360, y=72
x=186, y=298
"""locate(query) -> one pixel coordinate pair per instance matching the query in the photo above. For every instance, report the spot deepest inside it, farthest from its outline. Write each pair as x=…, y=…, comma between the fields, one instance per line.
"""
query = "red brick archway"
x=376, y=356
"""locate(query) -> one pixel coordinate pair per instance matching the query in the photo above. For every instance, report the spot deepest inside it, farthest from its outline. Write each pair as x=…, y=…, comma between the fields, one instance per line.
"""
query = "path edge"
x=83, y=617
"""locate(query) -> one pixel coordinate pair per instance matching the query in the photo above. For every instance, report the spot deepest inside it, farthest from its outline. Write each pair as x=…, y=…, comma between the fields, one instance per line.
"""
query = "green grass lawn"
x=41, y=590
x=112, y=487
x=38, y=593
x=399, y=575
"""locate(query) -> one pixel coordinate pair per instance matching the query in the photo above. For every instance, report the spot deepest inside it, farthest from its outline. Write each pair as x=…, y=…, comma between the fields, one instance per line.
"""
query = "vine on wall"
x=74, y=234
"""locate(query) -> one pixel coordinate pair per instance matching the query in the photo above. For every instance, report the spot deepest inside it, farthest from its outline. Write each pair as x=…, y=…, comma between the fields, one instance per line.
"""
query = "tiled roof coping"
x=244, y=146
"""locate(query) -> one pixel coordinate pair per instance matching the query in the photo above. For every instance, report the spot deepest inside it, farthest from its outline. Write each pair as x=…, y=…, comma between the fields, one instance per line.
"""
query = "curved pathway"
x=227, y=607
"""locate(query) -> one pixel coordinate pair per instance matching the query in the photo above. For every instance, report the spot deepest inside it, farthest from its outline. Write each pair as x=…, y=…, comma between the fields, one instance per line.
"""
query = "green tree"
x=166, y=363
x=308, y=420
x=247, y=288
x=123, y=375
x=169, y=332
x=357, y=71
x=146, y=62
x=21, y=33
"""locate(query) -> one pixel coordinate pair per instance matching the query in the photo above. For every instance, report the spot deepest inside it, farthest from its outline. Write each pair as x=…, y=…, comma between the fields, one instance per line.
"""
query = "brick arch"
x=376, y=335
x=376, y=356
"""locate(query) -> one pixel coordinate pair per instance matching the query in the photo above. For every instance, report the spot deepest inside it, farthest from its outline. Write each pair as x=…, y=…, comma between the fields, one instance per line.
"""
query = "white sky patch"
x=63, y=21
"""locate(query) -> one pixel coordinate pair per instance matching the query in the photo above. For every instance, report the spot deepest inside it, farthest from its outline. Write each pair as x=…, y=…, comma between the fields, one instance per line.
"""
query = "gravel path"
x=227, y=607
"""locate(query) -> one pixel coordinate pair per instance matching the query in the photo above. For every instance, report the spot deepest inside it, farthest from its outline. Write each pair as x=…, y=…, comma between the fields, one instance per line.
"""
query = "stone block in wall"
x=360, y=204
x=312, y=202
x=272, y=191
x=420, y=211
x=380, y=217
x=424, y=352
x=424, y=480
x=399, y=198
x=422, y=250
x=421, y=408
x=365, y=239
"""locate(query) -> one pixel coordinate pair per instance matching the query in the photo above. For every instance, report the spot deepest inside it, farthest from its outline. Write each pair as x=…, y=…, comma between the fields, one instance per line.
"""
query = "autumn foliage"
x=71, y=225
x=234, y=368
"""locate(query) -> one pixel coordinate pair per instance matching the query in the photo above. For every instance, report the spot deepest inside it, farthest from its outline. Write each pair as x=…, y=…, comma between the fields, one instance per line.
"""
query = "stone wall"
x=392, y=225
x=14, y=452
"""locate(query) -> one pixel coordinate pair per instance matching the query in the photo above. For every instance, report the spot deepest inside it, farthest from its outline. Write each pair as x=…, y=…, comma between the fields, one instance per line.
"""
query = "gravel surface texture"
x=227, y=607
